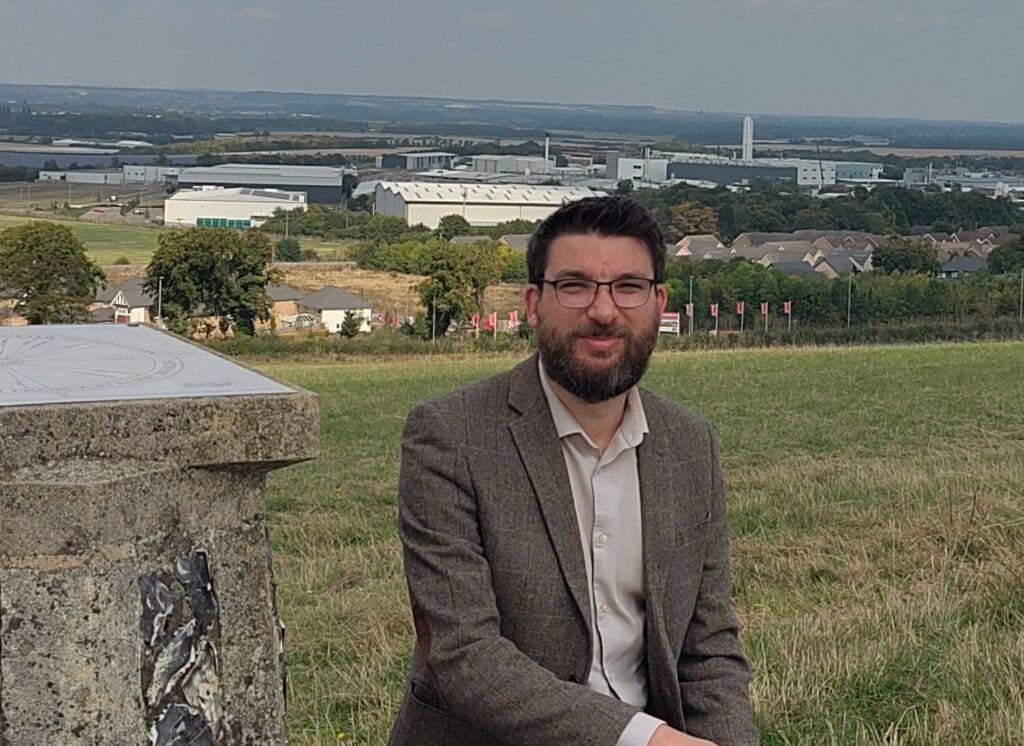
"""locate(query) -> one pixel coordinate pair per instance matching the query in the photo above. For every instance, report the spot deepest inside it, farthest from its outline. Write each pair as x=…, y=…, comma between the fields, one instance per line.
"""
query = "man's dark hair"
x=604, y=216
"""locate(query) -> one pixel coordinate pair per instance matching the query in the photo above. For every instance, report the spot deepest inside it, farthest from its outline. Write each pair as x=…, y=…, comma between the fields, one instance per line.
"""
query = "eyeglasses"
x=579, y=292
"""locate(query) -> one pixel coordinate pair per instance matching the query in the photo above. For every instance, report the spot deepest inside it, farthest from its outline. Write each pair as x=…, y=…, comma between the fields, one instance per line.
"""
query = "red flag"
x=394, y=319
x=474, y=320
x=739, y=307
x=714, y=310
x=689, y=309
x=764, y=309
x=787, y=307
x=491, y=321
x=513, y=319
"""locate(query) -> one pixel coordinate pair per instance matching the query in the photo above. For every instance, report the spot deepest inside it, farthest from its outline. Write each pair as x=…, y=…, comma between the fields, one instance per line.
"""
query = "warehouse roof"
x=237, y=194
x=420, y=191
x=262, y=174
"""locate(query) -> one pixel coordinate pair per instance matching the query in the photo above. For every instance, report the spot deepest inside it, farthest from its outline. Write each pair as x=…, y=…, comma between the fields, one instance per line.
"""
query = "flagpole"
x=766, y=321
x=849, y=300
x=741, y=319
x=689, y=316
x=1020, y=315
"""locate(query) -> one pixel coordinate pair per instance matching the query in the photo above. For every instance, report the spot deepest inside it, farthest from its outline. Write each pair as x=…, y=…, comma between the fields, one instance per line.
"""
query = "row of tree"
x=870, y=297
x=684, y=210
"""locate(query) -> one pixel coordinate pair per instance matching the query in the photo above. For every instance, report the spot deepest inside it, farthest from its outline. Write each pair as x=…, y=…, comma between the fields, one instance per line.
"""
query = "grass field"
x=105, y=244
x=878, y=539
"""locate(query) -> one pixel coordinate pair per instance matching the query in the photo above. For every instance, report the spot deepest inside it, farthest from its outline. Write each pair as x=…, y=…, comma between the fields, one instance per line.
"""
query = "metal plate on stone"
x=114, y=362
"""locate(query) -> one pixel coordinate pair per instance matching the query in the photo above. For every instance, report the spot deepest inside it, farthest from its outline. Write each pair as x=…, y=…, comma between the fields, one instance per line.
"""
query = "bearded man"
x=564, y=531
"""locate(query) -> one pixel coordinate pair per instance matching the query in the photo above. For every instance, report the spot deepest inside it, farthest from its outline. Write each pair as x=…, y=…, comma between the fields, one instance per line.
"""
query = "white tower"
x=748, y=138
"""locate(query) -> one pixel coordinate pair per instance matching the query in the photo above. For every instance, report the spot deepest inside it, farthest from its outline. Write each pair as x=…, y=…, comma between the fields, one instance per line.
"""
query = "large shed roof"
x=513, y=194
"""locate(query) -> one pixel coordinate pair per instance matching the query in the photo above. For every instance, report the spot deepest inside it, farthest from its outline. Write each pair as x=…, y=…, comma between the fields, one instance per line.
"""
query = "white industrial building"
x=480, y=204
x=647, y=170
x=148, y=174
x=83, y=176
x=513, y=164
x=219, y=207
x=320, y=184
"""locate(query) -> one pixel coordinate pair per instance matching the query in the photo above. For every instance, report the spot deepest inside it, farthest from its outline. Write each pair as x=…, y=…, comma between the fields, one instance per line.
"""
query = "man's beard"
x=580, y=377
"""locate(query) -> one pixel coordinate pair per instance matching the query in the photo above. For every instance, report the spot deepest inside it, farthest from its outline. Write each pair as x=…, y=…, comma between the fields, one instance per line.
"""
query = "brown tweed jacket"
x=498, y=586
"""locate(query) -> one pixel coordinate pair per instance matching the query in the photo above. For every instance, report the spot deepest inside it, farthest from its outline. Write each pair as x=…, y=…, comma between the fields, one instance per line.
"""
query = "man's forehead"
x=588, y=250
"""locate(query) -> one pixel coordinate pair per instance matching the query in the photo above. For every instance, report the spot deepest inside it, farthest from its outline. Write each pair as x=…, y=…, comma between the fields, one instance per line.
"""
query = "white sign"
x=669, y=323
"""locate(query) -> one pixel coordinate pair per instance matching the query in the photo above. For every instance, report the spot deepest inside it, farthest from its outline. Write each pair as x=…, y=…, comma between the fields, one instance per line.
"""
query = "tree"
x=351, y=324
x=459, y=275
x=214, y=272
x=288, y=250
x=1007, y=258
x=899, y=254
x=44, y=267
x=453, y=225
x=624, y=186
x=689, y=218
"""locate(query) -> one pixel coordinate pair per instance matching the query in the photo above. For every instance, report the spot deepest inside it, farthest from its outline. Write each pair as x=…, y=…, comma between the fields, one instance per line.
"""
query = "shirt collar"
x=634, y=421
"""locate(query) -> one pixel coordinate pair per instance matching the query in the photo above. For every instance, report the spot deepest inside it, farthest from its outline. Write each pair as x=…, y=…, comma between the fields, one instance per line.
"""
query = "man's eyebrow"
x=577, y=274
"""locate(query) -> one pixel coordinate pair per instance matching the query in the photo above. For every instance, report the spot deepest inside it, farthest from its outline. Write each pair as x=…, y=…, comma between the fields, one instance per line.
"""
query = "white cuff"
x=639, y=730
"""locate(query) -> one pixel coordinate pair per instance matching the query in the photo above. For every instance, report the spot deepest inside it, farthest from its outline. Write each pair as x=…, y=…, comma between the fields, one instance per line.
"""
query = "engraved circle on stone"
x=36, y=361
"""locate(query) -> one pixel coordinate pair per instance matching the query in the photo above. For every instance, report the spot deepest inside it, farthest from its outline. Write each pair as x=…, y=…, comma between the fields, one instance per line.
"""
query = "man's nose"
x=603, y=308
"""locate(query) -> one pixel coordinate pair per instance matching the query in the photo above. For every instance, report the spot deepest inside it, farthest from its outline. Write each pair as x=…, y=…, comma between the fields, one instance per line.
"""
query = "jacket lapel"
x=540, y=449
x=658, y=475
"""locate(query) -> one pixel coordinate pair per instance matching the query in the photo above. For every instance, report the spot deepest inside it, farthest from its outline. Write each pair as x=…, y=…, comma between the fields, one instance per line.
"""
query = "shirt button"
x=602, y=539
x=604, y=608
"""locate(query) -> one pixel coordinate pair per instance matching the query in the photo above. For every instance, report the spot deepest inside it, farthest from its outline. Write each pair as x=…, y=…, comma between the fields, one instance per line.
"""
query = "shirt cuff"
x=639, y=730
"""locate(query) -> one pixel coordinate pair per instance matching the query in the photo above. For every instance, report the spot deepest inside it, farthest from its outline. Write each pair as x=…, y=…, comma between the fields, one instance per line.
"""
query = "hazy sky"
x=946, y=59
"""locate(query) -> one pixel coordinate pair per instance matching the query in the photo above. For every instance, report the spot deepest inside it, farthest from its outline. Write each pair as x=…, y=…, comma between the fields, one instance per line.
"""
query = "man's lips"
x=600, y=343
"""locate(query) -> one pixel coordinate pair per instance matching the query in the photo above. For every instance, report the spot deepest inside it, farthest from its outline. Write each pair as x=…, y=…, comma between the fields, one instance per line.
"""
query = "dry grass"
x=877, y=523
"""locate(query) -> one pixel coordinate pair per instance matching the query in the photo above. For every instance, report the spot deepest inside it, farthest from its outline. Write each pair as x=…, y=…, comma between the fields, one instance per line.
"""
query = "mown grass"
x=106, y=244
x=877, y=522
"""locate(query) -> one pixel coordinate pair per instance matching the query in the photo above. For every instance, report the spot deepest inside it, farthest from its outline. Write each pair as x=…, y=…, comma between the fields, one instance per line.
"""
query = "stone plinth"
x=136, y=588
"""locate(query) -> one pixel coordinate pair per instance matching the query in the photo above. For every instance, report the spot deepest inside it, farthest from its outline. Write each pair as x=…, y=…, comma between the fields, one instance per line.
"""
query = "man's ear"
x=531, y=299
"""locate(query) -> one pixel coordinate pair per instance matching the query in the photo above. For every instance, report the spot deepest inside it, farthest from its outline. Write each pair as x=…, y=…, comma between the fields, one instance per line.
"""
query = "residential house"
x=331, y=305
x=517, y=241
x=802, y=268
x=845, y=261
x=130, y=301
x=697, y=244
x=961, y=266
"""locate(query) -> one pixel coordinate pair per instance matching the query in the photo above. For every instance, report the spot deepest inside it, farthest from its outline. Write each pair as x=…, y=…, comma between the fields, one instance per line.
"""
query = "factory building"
x=320, y=184
x=220, y=207
x=415, y=161
x=84, y=176
x=725, y=171
x=480, y=204
x=512, y=164
x=850, y=171
x=149, y=174
x=638, y=170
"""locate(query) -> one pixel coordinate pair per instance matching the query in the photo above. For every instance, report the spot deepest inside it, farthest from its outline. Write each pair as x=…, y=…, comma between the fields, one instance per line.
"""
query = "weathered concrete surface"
x=136, y=588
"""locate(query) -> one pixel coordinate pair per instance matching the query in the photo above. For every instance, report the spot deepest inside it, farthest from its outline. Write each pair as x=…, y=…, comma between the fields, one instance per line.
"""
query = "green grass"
x=105, y=244
x=877, y=522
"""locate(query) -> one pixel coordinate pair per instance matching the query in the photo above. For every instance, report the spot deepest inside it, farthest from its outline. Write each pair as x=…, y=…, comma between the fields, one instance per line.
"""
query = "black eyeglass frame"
x=595, y=286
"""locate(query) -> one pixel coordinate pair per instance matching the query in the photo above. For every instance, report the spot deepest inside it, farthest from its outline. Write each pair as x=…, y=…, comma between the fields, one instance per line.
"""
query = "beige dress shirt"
x=606, y=495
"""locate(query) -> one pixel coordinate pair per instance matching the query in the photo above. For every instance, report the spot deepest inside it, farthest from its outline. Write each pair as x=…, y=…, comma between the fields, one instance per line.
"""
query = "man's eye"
x=573, y=286
x=628, y=287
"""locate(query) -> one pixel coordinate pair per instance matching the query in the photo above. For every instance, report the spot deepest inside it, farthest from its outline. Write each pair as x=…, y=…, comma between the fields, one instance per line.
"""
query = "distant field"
x=107, y=243
x=877, y=520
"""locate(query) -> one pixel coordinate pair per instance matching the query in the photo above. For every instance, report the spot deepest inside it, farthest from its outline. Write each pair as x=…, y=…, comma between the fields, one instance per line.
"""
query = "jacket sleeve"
x=714, y=676
x=481, y=678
